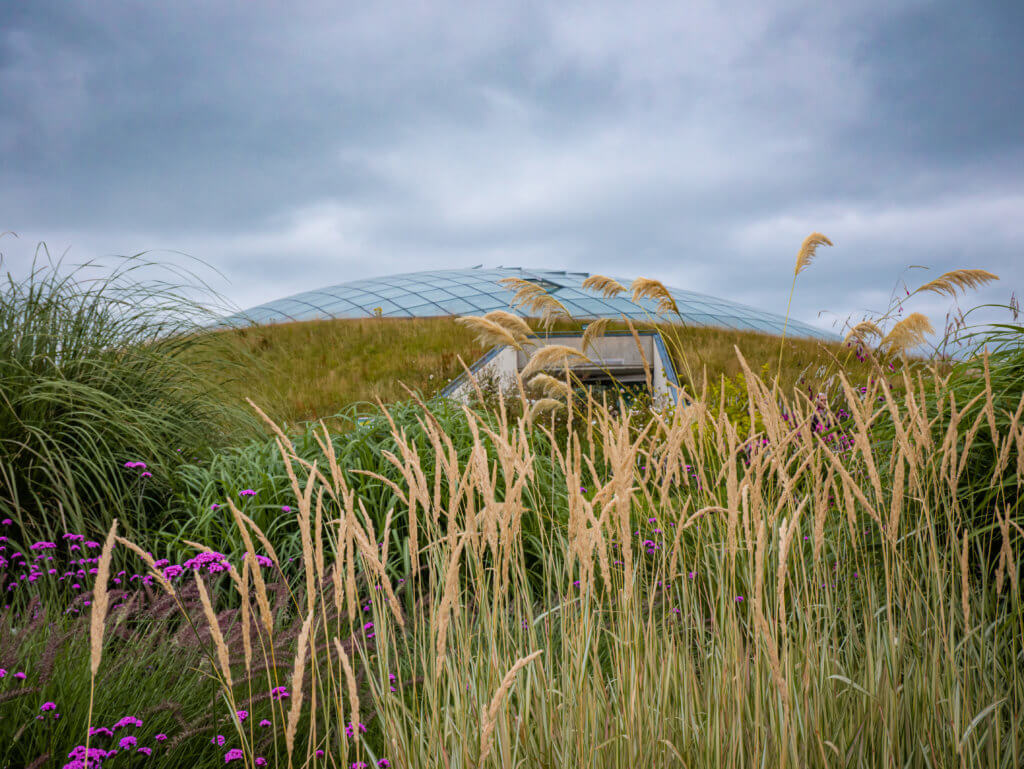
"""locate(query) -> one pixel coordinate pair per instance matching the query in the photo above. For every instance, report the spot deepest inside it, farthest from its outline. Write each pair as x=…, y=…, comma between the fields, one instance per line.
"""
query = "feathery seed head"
x=949, y=282
x=608, y=287
x=807, y=250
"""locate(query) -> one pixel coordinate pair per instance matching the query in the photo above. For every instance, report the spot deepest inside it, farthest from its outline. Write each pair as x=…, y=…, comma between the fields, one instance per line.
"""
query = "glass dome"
x=477, y=291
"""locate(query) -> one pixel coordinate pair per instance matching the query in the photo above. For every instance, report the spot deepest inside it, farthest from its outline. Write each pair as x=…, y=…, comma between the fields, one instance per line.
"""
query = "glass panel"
x=456, y=306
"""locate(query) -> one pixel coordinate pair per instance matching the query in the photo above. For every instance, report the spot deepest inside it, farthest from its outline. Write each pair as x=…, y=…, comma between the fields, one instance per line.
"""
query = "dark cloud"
x=301, y=146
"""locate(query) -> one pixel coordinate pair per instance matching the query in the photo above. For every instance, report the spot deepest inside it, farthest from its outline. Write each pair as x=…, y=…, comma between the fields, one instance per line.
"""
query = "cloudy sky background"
x=292, y=147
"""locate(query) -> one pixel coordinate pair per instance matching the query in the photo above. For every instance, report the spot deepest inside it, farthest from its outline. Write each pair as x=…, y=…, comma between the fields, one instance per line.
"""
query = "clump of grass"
x=93, y=374
x=711, y=599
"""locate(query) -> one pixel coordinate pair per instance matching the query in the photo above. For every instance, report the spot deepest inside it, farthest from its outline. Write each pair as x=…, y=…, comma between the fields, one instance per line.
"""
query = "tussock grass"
x=94, y=373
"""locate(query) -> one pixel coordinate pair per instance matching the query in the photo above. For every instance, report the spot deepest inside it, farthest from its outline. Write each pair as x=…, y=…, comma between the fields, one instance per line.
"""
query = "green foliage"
x=94, y=374
x=202, y=489
x=731, y=396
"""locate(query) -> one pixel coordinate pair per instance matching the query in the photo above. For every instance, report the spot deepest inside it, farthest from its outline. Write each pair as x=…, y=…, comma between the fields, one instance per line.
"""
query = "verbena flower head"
x=145, y=751
x=128, y=721
x=235, y=754
x=218, y=740
x=128, y=742
x=242, y=714
x=48, y=706
x=264, y=722
x=247, y=493
x=213, y=562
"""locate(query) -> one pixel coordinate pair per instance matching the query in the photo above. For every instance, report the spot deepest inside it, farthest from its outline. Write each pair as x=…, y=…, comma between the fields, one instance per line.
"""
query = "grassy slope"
x=315, y=369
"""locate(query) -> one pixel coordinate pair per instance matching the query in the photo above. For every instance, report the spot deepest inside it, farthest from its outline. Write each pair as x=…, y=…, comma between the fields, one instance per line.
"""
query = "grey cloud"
x=292, y=148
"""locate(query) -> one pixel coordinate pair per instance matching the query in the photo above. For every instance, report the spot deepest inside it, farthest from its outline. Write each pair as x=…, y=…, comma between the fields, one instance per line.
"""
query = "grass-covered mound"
x=315, y=369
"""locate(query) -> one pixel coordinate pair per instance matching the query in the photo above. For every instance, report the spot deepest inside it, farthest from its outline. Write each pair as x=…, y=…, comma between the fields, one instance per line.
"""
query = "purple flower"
x=278, y=693
x=350, y=730
x=319, y=753
x=235, y=754
x=48, y=706
x=128, y=742
x=383, y=763
x=173, y=571
x=264, y=722
x=242, y=714
x=261, y=761
x=160, y=737
x=285, y=509
x=20, y=676
x=6, y=521
x=218, y=740
x=147, y=475
x=145, y=751
x=247, y=493
x=128, y=721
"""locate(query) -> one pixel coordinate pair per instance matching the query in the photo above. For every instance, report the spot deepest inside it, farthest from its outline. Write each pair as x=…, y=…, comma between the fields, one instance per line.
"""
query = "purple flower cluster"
x=129, y=743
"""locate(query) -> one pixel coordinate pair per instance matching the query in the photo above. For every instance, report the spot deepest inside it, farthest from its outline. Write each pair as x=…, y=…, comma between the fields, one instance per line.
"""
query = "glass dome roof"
x=477, y=291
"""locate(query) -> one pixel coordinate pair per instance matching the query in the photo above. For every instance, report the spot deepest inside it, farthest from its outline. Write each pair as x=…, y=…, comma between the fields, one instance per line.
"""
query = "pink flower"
x=278, y=693
x=145, y=751
x=218, y=740
x=261, y=761
x=264, y=722
x=234, y=754
x=48, y=706
x=242, y=714
x=160, y=737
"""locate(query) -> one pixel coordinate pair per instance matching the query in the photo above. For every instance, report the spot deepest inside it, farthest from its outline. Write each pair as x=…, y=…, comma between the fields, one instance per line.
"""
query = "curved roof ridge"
x=475, y=290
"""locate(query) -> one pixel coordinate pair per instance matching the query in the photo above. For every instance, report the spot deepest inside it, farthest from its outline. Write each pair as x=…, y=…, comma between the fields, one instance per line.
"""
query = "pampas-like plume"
x=909, y=332
x=491, y=714
x=218, y=637
x=535, y=299
x=488, y=332
x=863, y=330
x=510, y=322
x=648, y=288
x=807, y=251
x=100, y=599
x=350, y=681
x=550, y=386
x=594, y=331
x=547, y=357
x=608, y=287
x=543, y=406
x=949, y=282
x=298, y=673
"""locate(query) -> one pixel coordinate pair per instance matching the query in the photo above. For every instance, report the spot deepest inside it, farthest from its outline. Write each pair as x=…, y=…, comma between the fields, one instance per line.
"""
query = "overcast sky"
x=298, y=145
